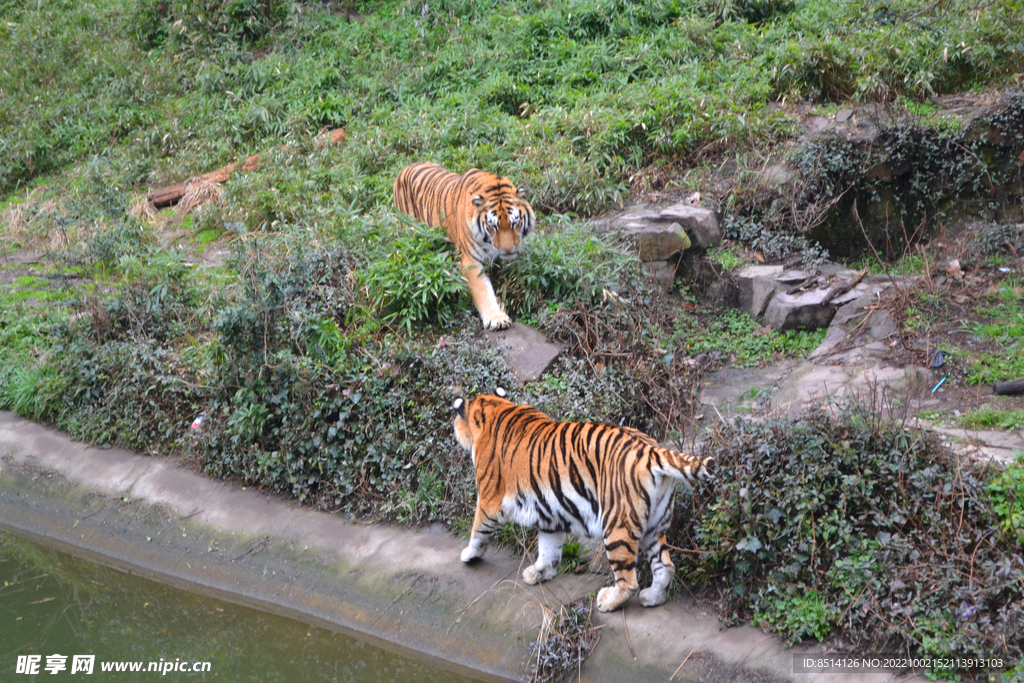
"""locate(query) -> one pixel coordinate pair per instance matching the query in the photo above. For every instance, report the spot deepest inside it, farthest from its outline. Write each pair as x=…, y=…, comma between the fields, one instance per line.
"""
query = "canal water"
x=57, y=611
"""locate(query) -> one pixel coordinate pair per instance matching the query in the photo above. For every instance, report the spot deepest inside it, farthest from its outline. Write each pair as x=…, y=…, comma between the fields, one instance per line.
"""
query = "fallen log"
x=1009, y=388
x=166, y=196
x=839, y=290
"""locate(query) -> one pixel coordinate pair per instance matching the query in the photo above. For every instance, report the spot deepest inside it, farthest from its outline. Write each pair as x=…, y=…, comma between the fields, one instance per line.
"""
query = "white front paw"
x=611, y=598
x=496, y=321
x=469, y=554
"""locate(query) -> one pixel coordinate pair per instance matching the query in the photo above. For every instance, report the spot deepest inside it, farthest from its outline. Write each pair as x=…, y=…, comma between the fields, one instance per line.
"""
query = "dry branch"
x=839, y=290
x=172, y=194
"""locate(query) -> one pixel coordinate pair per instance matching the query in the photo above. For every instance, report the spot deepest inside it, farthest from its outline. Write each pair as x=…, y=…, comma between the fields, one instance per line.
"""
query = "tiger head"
x=501, y=220
x=470, y=416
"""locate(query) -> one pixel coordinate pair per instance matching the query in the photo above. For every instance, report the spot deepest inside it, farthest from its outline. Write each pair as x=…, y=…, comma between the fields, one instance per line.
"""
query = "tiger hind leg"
x=661, y=568
x=622, y=557
x=549, y=555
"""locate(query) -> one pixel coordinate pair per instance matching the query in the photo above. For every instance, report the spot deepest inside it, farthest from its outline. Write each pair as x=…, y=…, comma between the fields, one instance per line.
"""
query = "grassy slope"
x=570, y=98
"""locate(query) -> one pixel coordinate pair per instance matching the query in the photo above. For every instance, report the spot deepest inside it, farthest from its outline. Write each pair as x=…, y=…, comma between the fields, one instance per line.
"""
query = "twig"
x=626, y=631
x=680, y=666
x=688, y=550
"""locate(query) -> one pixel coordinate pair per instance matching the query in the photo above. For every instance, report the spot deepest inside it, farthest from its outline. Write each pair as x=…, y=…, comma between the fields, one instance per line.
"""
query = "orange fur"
x=484, y=215
x=596, y=480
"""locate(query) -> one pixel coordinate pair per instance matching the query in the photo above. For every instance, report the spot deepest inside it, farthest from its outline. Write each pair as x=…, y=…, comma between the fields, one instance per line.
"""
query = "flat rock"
x=999, y=446
x=530, y=353
x=809, y=383
x=792, y=276
x=882, y=325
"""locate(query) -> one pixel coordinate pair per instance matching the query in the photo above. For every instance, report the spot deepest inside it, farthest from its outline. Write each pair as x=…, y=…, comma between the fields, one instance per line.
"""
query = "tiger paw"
x=611, y=598
x=469, y=554
x=534, y=574
x=651, y=597
x=498, y=321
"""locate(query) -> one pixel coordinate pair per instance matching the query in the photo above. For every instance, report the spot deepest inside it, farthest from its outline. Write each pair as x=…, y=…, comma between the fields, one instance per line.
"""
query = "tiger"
x=485, y=217
x=596, y=480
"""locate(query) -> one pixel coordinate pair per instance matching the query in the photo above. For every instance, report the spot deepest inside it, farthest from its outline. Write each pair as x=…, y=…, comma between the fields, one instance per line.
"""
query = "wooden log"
x=166, y=196
x=839, y=290
x=1009, y=388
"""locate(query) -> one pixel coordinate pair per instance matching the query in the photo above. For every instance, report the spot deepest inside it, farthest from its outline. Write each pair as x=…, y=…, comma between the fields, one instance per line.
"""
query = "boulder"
x=806, y=310
x=757, y=285
x=657, y=241
x=699, y=224
x=663, y=272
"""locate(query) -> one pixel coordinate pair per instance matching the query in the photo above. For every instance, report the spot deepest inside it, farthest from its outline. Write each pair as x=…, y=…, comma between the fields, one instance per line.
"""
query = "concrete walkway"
x=403, y=589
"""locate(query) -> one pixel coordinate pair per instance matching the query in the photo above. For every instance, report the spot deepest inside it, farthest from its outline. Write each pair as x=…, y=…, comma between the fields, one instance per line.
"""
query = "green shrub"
x=737, y=336
x=414, y=278
x=798, y=616
x=561, y=266
x=841, y=523
x=1006, y=490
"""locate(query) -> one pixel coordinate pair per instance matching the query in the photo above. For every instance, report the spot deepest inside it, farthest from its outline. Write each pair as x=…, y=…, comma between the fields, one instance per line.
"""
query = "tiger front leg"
x=622, y=557
x=483, y=526
x=549, y=555
x=491, y=313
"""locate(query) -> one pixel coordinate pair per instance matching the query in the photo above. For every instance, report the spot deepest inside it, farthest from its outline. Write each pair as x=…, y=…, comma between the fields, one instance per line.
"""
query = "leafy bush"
x=1007, y=492
x=561, y=266
x=841, y=523
x=415, y=278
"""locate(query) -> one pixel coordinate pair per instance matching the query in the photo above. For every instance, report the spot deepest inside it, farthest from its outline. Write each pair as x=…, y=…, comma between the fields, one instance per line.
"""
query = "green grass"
x=738, y=337
x=1006, y=328
x=993, y=418
x=596, y=89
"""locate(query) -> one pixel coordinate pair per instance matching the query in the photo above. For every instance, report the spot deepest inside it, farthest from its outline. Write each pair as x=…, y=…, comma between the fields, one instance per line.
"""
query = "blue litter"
x=940, y=382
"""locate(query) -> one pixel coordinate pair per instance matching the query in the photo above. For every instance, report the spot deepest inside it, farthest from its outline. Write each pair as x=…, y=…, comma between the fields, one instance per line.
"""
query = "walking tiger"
x=595, y=480
x=485, y=217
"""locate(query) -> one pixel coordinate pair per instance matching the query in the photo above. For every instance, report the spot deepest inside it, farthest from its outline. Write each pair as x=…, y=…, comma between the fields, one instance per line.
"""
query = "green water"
x=52, y=603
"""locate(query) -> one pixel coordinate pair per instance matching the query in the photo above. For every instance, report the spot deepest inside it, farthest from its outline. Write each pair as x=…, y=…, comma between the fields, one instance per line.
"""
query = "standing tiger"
x=485, y=217
x=594, y=480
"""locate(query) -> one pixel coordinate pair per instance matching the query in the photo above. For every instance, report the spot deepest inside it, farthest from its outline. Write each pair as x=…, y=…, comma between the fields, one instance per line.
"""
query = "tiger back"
x=596, y=480
x=484, y=215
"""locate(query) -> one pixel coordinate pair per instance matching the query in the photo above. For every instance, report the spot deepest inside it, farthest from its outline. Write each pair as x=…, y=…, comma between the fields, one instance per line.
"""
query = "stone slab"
x=530, y=353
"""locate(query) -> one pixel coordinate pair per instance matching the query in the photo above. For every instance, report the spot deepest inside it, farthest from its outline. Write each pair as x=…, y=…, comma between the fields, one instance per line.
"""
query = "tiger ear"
x=501, y=392
x=523, y=193
x=478, y=201
x=459, y=406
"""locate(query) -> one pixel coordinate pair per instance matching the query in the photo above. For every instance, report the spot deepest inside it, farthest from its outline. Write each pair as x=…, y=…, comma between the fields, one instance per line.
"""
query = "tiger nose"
x=507, y=244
